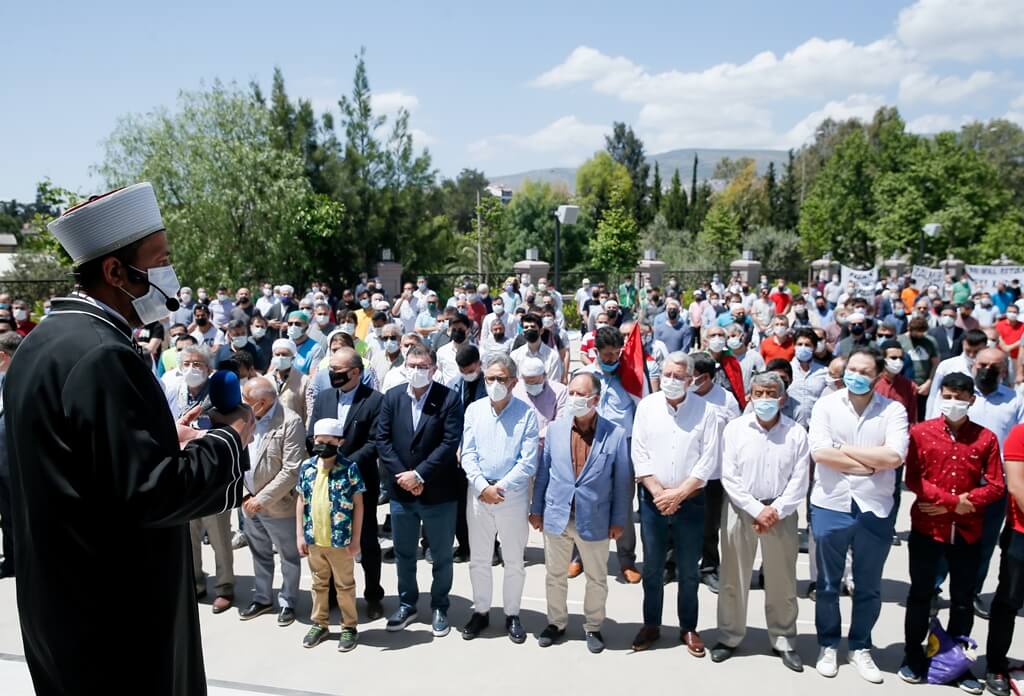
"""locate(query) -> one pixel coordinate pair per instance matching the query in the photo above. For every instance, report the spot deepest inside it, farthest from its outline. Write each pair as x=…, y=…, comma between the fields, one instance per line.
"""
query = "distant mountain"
x=668, y=162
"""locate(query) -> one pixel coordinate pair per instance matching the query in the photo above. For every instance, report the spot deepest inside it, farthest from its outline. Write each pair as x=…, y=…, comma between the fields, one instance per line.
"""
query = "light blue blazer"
x=602, y=494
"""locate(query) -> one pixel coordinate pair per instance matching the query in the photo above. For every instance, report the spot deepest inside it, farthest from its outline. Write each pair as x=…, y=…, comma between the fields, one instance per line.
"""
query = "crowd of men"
x=463, y=415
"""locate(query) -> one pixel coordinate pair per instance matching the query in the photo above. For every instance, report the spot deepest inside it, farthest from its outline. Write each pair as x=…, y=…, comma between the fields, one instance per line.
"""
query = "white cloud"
x=1016, y=112
x=391, y=102
x=568, y=141
x=966, y=30
x=421, y=138
x=862, y=106
x=933, y=123
x=925, y=87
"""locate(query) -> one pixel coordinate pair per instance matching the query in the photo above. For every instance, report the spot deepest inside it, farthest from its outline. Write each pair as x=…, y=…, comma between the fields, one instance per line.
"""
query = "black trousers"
x=368, y=542
x=709, y=556
x=1008, y=600
x=5, y=523
x=926, y=554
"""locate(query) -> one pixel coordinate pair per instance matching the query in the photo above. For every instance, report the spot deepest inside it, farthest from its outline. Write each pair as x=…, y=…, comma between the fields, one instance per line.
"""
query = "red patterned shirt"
x=942, y=465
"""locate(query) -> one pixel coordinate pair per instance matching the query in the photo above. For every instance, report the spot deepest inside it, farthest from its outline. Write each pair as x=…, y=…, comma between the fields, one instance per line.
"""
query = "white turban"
x=329, y=426
x=856, y=316
x=531, y=367
x=735, y=306
x=107, y=223
x=285, y=343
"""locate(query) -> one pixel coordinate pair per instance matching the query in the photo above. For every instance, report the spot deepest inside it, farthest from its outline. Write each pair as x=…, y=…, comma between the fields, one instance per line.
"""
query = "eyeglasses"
x=499, y=380
x=194, y=363
x=296, y=323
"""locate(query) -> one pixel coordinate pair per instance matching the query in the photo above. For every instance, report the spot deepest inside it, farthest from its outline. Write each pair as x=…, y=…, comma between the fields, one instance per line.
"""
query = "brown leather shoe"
x=632, y=575
x=694, y=643
x=221, y=604
x=575, y=569
x=647, y=637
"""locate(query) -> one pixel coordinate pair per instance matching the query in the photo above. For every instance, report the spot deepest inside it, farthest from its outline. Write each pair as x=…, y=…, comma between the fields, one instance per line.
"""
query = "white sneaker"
x=827, y=664
x=866, y=666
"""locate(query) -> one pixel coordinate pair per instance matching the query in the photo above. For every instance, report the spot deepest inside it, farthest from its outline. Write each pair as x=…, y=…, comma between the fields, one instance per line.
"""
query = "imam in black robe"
x=102, y=496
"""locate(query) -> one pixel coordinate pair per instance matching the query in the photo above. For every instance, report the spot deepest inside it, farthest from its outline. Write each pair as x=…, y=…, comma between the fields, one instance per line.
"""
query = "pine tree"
x=788, y=209
x=771, y=194
x=675, y=207
x=628, y=150
x=656, y=191
x=693, y=184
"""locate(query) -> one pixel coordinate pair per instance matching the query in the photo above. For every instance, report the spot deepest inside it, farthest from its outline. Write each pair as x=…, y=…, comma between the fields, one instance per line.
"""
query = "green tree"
x=772, y=194
x=529, y=221
x=237, y=208
x=628, y=150
x=675, y=207
x=746, y=198
x=777, y=250
x=615, y=248
x=787, y=209
x=656, y=190
x=719, y=237
x=1001, y=143
x=460, y=196
x=728, y=169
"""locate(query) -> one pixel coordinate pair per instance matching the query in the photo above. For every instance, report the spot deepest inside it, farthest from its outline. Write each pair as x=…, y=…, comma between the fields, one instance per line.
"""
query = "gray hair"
x=768, y=378
x=735, y=329
x=196, y=349
x=260, y=387
x=680, y=358
x=501, y=359
x=413, y=336
x=320, y=303
x=421, y=349
x=9, y=342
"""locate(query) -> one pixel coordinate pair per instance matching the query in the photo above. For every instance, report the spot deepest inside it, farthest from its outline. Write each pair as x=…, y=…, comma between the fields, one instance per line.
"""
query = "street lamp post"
x=564, y=215
x=931, y=229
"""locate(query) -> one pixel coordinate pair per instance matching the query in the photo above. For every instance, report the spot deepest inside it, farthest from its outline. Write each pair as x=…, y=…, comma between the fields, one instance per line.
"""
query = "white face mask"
x=734, y=342
x=534, y=389
x=418, y=377
x=598, y=326
x=499, y=309
x=267, y=292
x=548, y=322
x=20, y=315
x=322, y=319
x=259, y=332
x=673, y=388
x=780, y=331
x=947, y=321
x=186, y=297
x=163, y=284
x=281, y=362
x=894, y=365
x=221, y=297
x=349, y=329
x=472, y=377
x=391, y=345
x=239, y=341
x=953, y=409
x=578, y=405
x=296, y=332
x=195, y=376
x=496, y=391
x=716, y=344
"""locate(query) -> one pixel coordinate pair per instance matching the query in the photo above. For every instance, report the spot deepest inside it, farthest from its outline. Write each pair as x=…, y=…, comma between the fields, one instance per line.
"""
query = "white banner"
x=864, y=280
x=926, y=276
x=986, y=277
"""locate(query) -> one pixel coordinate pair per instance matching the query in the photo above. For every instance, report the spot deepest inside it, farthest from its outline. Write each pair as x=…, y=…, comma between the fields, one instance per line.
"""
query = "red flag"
x=633, y=365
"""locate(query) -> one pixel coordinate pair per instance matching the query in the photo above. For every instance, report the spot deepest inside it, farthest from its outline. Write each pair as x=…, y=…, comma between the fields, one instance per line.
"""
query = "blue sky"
x=509, y=86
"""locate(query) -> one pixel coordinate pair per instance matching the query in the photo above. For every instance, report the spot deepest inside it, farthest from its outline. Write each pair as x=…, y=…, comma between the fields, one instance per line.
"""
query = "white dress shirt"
x=728, y=409
x=958, y=363
x=759, y=464
x=499, y=447
x=834, y=422
x=998, y=411
x=674, y=444
x=417, y=404
x=345, y=399
x=507, y=319
x=258, y=435
x=547, y=355
x=447, y=368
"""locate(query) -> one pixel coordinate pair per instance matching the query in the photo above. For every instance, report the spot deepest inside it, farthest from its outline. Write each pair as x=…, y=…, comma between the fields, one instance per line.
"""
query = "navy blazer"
x=430, y=450
x=604, y=491
x=360, y=425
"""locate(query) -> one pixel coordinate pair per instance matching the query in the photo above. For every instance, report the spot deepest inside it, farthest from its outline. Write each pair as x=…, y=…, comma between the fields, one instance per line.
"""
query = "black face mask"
x=612, y=316
x=531, y=335
x=325, y=450
x=500, y=336
x=673, y=313
x=987, y=378
x=338, y=379
x=856, y=329
x=202, y=321
x=458, y=335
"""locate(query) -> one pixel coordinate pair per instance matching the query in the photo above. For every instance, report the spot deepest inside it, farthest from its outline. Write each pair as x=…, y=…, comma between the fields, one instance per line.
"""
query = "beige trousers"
x=594, y=555
x=218, y=528
x=325, y=562
x=779, y=548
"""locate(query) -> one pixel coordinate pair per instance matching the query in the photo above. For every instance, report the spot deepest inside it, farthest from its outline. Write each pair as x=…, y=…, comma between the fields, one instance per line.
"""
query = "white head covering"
x=329, y=426
x=856, y=316
x=285, y=343
x=531, y=367
x=107, y=223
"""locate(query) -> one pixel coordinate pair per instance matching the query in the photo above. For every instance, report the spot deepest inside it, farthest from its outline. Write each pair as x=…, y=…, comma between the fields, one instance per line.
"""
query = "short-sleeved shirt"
x=342, y=484
x=1010, y=334
x=1013, y=451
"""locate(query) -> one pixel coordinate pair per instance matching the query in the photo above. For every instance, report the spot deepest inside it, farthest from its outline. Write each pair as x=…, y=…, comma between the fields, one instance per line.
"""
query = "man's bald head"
x=345, y=358
x=260, y=394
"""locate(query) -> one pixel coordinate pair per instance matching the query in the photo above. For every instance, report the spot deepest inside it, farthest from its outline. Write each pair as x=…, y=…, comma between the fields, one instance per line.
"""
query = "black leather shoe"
x=461, y=555
x=812, y=591
x=790, y=659
x=711, y=580
x=286, y=617
x=998, y=684
x=477, y=623
x=979, y=608
x=721, y=652
x=669, y=575
x=595, y=642
x=253, y=610
x=550, y=635
x=516, y=632
x=374, y=610
x=7, y=570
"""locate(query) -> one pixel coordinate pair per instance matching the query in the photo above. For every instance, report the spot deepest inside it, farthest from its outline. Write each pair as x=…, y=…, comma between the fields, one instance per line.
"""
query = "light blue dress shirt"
x=616, y=404
x=345, y=400
x=500, y=447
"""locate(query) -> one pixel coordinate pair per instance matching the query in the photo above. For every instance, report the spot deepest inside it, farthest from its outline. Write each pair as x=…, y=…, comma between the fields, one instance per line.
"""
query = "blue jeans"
x=685, y=532
x=870, y=537
x=439, y=522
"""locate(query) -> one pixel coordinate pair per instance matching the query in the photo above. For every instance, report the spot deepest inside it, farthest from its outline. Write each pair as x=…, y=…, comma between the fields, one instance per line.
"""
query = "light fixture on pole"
x=564, y=215
x=932, y=229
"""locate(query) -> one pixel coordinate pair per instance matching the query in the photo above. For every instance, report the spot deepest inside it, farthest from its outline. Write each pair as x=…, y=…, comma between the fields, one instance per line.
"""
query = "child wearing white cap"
x=329, y=515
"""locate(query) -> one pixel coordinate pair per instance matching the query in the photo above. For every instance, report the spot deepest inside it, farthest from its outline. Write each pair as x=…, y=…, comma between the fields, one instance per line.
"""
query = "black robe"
x=102, y=499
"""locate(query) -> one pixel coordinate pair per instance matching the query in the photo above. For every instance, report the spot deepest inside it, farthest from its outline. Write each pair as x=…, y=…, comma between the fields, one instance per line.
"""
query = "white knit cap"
x=531, y=367
x=107, y=223
x=856, y=316
x=285, y=343
x=329, y=426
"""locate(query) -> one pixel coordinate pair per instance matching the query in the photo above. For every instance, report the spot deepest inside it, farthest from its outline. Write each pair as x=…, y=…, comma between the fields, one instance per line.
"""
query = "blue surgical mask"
x=804, y=353
x=609, y=367
x=766, y=409
x=857, y=383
